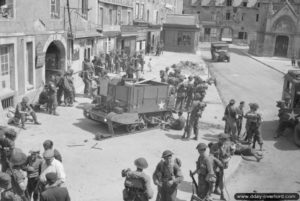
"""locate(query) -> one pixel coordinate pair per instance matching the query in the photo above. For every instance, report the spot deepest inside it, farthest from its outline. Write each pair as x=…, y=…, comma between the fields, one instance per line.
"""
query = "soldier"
x=253, y=124
x=60, y=86
x=195, y=115
x=137, y=183
x=167, y=176
x=201, y=89
x=221, y=151
x=18, y=176
x=230, y=117
x=177, y=124
x=7, y=145
x=52, y=97
x=68, y=89
x=245, y=150
x=181, y=93
x=23, y=109
x=189, y=96
x=240, y=113
x=33, y=168
x=54, y=192
x=206, y=174
x=162, y=75
x=48, y=145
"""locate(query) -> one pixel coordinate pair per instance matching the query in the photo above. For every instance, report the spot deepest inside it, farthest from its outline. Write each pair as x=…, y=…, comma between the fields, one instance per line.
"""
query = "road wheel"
x=297, y=135
x=130, y=128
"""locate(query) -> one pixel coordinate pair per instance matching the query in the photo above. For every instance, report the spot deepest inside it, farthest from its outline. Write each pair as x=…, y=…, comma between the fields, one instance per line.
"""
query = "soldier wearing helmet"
x=205, y=171
x=167, y=176
x=181, y=93
x=222, y=152
x=253, y=124
x=137, y=183
x=189, y=96
x=23, y=109
x=7, y=145
x=230, y=118
x=196, y=114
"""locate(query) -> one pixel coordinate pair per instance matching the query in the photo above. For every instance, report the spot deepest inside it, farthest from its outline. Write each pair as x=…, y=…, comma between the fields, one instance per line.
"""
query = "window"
x=55, y=9
x=258, y=5
x=100, y=16
x=207, y=31
x=257, y=17
x=29, y=67
x=184, y=39
x=242, y=35
x=137, y=9
x=115, y=13
x=119, y=17
x=84, y=8
x=156, y=17
x=228, y=16
x=128, y=17
x=6, y=9
x=142, y=11
x=110, y=17
x=148, y=15
x=245, y=4
x=243, y=16
x=229, y=3
x=6, y=67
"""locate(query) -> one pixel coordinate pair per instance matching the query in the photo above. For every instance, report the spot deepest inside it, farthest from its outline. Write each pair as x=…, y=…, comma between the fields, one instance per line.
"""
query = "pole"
x=70, y=32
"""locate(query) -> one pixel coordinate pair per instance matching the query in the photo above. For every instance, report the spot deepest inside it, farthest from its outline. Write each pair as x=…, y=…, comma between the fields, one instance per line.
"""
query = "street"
x=248, y=80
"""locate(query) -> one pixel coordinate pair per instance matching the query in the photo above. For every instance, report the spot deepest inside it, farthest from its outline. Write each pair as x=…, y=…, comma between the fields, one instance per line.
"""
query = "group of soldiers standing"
x=23, y=178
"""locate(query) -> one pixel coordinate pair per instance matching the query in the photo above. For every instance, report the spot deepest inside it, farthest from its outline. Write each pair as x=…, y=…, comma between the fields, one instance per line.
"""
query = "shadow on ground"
x=210, y=137
x=174, y=136
x=186, y=186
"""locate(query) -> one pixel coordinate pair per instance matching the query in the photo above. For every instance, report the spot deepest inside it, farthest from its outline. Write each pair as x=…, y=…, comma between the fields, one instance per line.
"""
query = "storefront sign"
x=127, y=3
x=40, y=56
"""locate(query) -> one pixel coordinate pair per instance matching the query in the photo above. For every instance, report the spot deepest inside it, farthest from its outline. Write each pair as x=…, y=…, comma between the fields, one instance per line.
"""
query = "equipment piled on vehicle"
x=134, y=105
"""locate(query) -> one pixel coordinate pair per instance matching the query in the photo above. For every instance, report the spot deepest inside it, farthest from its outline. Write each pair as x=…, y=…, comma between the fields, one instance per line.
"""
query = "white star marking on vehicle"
x=292, y=115
x=161, y=105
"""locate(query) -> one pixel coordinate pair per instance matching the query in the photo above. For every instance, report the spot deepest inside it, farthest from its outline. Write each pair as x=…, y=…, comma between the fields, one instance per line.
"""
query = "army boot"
x=222, y=196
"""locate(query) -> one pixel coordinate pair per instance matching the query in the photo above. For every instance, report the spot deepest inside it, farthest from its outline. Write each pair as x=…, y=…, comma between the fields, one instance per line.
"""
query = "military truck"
x=219, y=51
x=289, y=106
x=132, y=105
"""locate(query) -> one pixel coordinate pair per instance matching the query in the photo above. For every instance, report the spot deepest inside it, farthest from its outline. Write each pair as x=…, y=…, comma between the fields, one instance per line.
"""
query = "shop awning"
x=87, y=34
x=111, y=33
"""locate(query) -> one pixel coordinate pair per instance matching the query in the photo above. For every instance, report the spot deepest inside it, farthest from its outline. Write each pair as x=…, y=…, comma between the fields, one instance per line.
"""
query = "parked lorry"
x=132, y=105
x=289, y=106
x=219, y=51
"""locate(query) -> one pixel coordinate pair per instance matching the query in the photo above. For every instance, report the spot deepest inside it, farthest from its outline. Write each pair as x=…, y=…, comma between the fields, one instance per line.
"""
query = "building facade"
x=278, y=33
x=227, y=20
x=39, y=39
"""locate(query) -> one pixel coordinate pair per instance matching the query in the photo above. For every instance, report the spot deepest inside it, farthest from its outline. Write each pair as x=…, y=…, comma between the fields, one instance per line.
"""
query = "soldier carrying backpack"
x=137, y=183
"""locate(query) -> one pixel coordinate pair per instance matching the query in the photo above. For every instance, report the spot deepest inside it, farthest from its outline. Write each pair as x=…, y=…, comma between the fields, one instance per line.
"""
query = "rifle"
x=187, y=126
x=194, y=181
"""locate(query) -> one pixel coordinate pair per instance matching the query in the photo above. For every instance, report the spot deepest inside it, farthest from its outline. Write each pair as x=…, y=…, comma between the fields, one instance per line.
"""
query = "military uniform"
x=137, y=183
x=181, y=93
x=222, y=152
x=195, y=115
x=239, y=122
x=7, y=138
x=167, y=177
x=253, y=123
x=206, y=175
x=230, y=117
x=189, y=96
x=52, y=98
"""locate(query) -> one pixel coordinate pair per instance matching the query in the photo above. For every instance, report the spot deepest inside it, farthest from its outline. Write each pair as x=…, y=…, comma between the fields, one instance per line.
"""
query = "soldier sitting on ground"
x=23, y=110
x=177, y=124
x=137, y=183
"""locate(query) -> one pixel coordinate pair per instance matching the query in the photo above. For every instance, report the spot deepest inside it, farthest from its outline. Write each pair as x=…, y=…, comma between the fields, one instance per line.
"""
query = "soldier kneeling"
x=137, y=183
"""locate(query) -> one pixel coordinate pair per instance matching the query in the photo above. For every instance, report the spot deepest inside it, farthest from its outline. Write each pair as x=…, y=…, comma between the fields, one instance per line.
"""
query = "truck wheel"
x=297, y=135
x=130, y=128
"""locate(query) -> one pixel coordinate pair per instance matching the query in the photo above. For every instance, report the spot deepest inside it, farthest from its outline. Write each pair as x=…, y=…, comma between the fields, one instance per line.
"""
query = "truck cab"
x=220, y=51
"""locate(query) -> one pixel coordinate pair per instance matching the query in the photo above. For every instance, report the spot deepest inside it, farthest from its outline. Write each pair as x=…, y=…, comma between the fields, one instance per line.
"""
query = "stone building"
x=278, y=33
x=227, y=20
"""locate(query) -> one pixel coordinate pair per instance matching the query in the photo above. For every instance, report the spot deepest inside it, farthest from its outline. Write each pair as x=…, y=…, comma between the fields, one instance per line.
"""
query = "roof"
x=235, y=3
x=182, y=19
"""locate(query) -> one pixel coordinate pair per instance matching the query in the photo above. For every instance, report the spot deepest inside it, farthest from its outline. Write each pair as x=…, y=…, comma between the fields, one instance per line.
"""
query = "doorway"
x=281, y=46
x=55, y=59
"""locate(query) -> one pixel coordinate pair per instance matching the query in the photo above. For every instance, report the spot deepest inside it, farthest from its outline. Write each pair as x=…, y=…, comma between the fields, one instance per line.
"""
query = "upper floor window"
x=84, y=8
x=137, y=9
x=245, y=4
x=229, y=3
x=142, y=11
x=258, y=5
x=129, y=17
x=257, y=17
x=227, y=16
x=55, y=8
x=6, y=9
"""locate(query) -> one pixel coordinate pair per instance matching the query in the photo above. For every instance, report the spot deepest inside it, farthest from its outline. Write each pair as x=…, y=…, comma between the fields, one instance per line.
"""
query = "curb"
x=269, y=66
